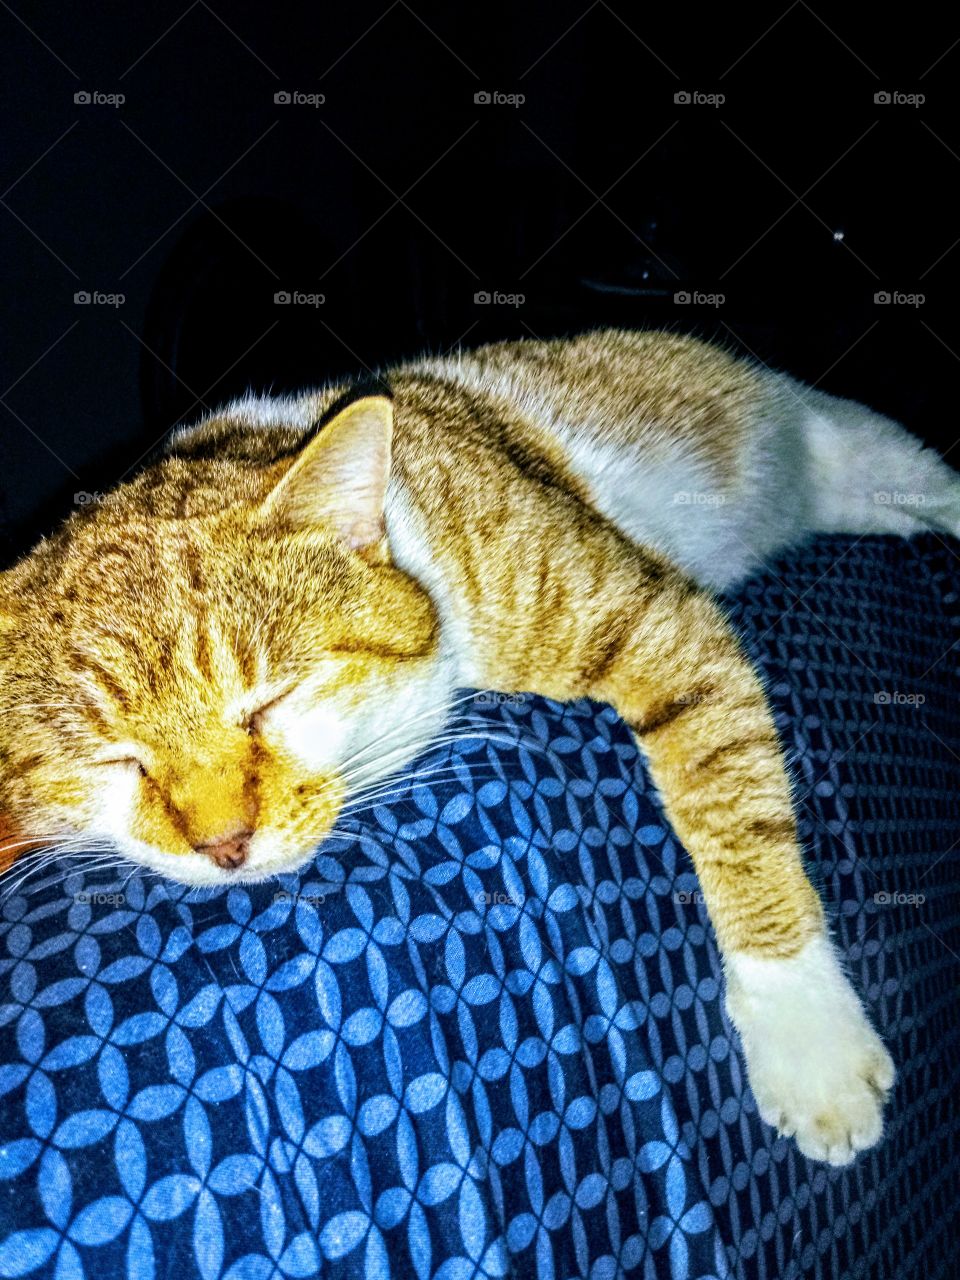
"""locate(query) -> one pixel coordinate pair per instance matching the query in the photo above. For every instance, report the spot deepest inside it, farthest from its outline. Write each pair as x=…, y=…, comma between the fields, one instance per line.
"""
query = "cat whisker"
x=29, y=862
x=356, y=779
x=380, y=766
x=444, y=708
x=133, y=871
x=397, y=787
x=10, y=890
x=401, y=783
x=98, y=861
x=33, y=863
x=382, y=776
x=381, y=763
x=47, y=838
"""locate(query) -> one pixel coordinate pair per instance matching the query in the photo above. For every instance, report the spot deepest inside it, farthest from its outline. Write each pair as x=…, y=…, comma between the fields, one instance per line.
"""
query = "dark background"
x=598, y=199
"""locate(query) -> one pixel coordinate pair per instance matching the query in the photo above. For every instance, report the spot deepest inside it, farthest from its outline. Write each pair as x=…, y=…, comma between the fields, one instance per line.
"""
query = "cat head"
x=202, y=668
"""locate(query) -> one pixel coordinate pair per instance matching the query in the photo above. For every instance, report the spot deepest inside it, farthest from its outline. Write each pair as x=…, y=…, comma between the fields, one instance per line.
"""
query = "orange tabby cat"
x=202, y=669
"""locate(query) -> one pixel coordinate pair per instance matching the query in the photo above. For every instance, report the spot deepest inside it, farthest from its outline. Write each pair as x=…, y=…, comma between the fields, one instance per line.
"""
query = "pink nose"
x=228, y=851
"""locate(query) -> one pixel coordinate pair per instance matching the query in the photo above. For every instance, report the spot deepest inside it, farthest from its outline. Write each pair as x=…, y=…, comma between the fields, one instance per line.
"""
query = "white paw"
x=817, y=1068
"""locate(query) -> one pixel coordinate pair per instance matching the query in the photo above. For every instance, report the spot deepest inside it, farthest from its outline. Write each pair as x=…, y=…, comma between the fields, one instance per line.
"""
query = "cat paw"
x=818, y=1070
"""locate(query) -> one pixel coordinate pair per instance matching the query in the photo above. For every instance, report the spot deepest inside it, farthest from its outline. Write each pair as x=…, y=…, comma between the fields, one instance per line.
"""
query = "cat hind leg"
x=870, y=475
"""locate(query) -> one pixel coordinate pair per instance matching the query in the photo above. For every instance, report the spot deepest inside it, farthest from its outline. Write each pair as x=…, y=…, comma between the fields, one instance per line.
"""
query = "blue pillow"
x=482, y=1034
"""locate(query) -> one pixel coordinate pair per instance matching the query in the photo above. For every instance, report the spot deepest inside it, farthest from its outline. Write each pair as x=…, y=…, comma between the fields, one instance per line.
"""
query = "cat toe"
x=818, y=1070
x=838, y=1134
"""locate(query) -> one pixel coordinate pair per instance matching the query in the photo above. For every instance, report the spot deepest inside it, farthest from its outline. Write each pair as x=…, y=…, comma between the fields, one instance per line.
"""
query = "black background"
x=598, y=199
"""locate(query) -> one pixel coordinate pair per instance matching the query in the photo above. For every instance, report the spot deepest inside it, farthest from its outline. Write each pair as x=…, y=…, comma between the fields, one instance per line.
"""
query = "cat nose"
x=228, y=851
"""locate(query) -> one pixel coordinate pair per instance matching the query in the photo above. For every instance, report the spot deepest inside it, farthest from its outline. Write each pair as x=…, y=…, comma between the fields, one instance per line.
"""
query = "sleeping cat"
x=201, y=669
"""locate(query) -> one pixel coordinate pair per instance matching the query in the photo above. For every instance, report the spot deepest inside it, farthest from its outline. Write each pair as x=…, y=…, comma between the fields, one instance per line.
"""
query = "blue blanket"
x=484, y=1036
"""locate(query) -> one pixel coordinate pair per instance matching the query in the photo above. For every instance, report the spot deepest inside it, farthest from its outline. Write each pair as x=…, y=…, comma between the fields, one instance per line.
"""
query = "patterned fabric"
x=484, y=1036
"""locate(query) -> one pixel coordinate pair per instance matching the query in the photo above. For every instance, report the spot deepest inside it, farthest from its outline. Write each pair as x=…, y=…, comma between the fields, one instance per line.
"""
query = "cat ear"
x=340, y=478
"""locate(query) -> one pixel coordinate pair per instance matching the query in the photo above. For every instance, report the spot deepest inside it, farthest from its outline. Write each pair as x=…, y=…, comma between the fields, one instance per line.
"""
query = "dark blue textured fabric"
x=485, y=1036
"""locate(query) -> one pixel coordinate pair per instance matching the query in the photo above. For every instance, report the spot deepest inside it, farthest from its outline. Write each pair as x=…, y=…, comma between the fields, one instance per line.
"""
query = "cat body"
x=270, y=620
x=655, y=425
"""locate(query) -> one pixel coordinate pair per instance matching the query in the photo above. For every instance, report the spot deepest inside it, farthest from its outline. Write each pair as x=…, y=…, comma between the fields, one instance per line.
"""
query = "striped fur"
x=270, y=619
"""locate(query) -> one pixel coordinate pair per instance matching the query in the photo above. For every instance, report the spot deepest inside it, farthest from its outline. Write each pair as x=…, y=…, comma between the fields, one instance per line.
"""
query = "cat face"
x=205, y=691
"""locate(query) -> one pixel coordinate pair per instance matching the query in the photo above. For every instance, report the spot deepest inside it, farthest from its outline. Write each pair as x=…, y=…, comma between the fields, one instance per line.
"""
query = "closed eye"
x=253, y=721
x=131, y=761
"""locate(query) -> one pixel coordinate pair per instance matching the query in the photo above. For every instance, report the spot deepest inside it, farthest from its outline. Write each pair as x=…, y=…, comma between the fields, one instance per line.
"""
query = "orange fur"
x=235, y=567
x=271, y=619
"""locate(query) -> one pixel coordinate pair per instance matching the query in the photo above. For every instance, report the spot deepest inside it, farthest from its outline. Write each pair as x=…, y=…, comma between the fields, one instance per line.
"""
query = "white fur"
x=412, y=552
x=817, y=1068
x=327, y=731
x=812, y=463
x=869, y=475
x=257, y=411
x=717, y=531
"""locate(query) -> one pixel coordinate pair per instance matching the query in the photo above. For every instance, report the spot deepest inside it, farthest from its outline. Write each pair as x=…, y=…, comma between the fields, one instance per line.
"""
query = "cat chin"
x=265, y=861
